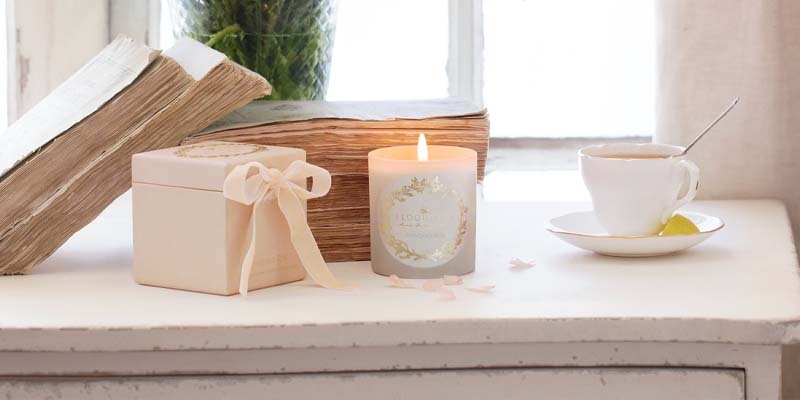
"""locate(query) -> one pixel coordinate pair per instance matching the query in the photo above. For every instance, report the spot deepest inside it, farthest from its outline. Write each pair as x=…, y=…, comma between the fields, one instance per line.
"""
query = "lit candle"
x=422, y=210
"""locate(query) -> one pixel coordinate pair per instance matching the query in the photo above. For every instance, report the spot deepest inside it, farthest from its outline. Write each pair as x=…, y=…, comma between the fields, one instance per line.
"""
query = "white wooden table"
x=704, y=324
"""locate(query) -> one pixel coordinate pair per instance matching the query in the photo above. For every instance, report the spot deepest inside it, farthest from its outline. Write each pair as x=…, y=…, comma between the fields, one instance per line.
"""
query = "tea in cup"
x=635, y=188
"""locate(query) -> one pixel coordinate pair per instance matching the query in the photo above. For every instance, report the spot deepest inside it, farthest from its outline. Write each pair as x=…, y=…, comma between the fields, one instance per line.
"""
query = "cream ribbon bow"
x=269, y=184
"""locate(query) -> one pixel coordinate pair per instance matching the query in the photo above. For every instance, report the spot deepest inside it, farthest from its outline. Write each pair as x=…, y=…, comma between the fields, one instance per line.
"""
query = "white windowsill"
x=520, y=186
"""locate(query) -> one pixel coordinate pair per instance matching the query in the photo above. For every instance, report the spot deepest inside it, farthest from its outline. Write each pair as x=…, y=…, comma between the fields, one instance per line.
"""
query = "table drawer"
x=517, y=383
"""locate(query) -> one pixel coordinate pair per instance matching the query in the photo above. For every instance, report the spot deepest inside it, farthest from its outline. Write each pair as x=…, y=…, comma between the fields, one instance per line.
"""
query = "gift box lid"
x=206, y=165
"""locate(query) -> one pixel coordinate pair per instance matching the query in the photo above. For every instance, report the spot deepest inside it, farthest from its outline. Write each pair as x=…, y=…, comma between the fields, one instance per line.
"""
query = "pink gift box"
x=187, y=235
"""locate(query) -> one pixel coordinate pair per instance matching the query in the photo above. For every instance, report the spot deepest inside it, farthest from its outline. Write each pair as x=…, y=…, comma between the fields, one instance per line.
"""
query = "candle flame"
x=422, y=148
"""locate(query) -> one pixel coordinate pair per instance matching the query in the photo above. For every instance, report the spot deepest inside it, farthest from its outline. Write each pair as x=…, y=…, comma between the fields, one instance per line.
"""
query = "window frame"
x=465, y=42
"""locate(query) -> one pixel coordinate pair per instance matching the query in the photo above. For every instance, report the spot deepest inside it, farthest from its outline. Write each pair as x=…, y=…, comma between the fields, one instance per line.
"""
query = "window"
x=552, y=68
x=390, y=50
x=570, y=68
x=547, y=68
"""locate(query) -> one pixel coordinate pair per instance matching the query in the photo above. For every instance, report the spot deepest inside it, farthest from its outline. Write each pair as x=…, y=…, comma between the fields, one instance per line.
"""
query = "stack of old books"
x=337, y=136
x=67, y=158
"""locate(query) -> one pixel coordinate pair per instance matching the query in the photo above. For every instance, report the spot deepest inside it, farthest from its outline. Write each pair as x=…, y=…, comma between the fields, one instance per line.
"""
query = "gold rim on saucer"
x=553, y=229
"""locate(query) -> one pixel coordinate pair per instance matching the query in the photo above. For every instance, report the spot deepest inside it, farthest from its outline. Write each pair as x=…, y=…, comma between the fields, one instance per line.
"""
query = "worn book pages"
x=271, y=112
x=93, y=85
x=70, y=180
x=47, y=174
x=195, y=58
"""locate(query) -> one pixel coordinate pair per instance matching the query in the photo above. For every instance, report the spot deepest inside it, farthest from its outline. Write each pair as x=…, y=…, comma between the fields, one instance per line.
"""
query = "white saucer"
x=581, y=229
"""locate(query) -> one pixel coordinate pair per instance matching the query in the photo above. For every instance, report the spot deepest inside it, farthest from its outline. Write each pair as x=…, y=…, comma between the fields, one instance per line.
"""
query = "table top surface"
x=740, y=286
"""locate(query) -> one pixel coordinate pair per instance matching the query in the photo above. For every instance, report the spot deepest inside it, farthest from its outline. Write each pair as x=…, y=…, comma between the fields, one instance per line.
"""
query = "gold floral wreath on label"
x=246, y=148
x=417, y=186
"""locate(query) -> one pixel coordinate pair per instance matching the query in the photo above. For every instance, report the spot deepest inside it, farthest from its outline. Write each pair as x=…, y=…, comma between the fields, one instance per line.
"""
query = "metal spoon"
x=711, y=125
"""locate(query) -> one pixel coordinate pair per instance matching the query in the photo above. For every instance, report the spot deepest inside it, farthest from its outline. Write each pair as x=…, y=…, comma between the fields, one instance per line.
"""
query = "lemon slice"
x=679, y=225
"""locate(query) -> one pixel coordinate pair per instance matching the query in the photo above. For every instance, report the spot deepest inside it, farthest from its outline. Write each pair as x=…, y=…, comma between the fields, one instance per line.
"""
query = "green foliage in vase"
x=289, y=42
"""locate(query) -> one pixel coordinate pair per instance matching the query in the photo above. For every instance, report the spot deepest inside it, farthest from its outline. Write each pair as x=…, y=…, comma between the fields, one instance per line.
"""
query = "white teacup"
x=635, y=188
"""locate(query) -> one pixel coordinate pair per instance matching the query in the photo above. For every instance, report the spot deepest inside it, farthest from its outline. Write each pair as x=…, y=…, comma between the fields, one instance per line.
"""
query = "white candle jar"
x=422, y=212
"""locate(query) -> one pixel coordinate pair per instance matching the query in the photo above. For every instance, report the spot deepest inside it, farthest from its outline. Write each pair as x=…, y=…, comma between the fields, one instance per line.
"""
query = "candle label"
x=423, y=221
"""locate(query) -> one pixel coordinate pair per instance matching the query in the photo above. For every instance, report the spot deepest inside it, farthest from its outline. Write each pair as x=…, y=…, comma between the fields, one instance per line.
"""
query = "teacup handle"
x=694, y=177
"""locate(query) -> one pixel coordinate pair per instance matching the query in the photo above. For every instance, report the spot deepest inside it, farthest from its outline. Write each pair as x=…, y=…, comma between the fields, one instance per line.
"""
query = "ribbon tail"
x=304, y=243
x=247, y=262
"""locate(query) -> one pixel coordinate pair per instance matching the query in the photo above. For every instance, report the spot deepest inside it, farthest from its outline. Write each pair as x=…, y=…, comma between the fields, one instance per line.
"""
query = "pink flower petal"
x=446, y=294
x=431, y=285
x=518, y=264
x=482, y=289
x=452, y=280
x=396, y=282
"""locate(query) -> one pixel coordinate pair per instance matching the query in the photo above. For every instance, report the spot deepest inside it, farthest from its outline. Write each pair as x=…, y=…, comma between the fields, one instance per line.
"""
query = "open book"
x=69, y=157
